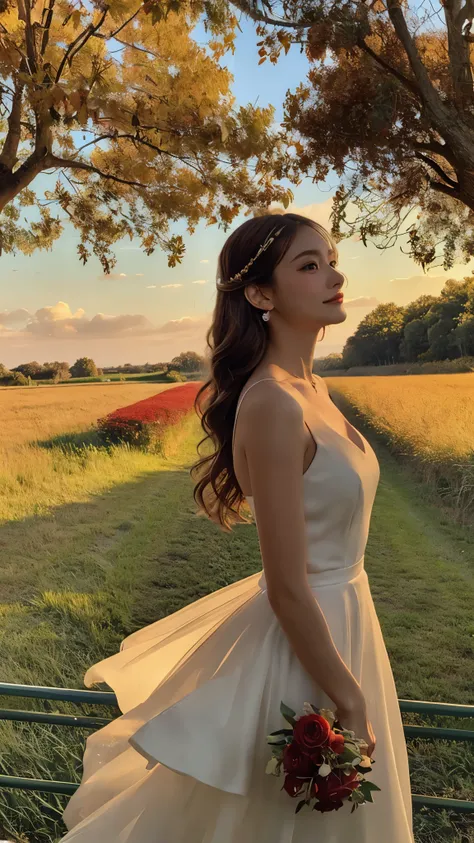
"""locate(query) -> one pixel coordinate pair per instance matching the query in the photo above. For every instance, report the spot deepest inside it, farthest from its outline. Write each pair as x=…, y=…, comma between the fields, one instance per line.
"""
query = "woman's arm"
x=273, y=435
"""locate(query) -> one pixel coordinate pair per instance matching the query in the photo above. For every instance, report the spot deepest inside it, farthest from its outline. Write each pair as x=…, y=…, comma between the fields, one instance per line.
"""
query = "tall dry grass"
x=428, y=421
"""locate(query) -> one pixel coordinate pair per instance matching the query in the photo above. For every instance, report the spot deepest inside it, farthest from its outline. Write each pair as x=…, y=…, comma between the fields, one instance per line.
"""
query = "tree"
x=430, y=328
x=84, y=367
x=13, y=378
x=415, y=340
x=163, y=139
x=187, y=361
x=32, y=370
x=389, y=105
x=56, y=371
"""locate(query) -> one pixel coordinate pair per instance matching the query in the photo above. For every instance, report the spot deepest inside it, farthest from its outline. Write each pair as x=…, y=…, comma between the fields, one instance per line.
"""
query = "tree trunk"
x=466, y=187
x=12, y=183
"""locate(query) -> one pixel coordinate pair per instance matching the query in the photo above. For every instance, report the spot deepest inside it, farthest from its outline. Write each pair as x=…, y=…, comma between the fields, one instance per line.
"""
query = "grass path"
x=92, y=571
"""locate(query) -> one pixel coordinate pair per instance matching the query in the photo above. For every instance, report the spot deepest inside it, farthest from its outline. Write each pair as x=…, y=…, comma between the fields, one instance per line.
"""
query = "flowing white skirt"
x=200, y=690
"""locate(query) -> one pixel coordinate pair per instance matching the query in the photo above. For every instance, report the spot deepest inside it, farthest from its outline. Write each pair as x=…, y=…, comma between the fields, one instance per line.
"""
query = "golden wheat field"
x=432, y=414
x=430, y=418
x=37, y=413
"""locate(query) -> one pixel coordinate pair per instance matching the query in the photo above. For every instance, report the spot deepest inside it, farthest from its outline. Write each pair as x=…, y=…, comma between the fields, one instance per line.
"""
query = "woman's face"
x=305, y=279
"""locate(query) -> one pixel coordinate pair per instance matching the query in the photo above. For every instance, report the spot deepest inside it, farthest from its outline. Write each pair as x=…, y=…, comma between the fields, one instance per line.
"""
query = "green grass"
x=141, y=377
x=108, y=559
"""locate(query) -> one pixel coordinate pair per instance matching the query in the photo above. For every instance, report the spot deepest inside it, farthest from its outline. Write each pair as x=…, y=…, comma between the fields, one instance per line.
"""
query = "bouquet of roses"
x=321, y=759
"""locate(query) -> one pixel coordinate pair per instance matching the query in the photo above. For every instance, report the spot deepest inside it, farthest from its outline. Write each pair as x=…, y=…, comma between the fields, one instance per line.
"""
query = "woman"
x=201, y=689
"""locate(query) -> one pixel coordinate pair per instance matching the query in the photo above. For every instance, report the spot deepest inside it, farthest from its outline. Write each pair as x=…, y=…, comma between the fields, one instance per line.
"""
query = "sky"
x=52, y=307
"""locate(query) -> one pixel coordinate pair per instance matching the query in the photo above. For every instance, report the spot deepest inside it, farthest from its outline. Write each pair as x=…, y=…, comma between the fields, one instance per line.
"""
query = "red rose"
x=296, y=762
x=336, y=742
x=333, y=789
x=293, y=785
x=312, y=732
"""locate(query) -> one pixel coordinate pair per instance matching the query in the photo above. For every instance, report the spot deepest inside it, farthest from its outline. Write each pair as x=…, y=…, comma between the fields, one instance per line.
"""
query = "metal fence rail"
x=76, y=695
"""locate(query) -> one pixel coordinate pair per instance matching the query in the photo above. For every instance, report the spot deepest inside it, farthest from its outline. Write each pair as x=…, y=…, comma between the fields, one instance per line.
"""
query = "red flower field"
x=144, y=422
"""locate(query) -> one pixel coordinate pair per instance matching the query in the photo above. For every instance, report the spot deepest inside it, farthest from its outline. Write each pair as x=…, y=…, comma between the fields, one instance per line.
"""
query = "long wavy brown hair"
x=237, y=340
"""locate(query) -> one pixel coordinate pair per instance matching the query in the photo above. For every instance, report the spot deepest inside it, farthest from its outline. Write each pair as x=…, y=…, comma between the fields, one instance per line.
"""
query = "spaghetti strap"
x=244, y=393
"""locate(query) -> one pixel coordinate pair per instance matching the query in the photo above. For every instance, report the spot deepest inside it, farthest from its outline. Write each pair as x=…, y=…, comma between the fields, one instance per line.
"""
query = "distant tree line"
x=429, y=329
x=85, y=367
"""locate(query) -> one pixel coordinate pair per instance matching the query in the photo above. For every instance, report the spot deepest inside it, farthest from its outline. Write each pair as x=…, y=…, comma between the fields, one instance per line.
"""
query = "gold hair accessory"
x=268, y=241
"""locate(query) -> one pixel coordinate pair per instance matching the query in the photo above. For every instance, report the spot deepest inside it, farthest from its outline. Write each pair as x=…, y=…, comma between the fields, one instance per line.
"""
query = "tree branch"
x=46, y=24
x=122, y=26
x=8, y=155
x=24, y=14
x=437, y=149
x=85, y=35
x=438, y=169
x=54, y=161
x=407, y=83
x=140, y=49
x=459, y=51
x=249, y=8
x=443, y=188
x=428, y=92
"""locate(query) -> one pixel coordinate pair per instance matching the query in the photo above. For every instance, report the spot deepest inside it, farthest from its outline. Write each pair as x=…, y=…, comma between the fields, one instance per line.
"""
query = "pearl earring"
x=266, y=315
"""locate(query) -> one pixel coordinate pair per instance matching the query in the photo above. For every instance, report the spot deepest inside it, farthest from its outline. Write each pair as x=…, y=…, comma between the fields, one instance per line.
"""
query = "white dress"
x=200, y=690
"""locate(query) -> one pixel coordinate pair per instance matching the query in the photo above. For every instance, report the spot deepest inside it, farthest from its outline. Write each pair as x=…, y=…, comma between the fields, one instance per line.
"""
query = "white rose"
x=271, y=767
x=324, y=770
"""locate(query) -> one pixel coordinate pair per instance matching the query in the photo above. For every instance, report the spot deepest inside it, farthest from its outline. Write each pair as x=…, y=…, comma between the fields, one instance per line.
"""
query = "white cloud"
x=114, y=276
x=60, y=322
x=361, y=301
x=206, y=260
x=139, y=274
x=151, y=287
x=14, y=317
x=186, y=323
x=408, y=288
x=199, y=282
x=317, y=211
x=165, y=286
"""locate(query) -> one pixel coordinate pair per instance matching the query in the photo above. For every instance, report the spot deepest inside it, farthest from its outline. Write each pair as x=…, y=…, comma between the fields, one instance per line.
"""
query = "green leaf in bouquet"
x=276, y=741
x=288, y=713
x=372, y=786
x=282, y=732
x=367, y=788
x=358, y=795
x=348, y=766
x=349, y=755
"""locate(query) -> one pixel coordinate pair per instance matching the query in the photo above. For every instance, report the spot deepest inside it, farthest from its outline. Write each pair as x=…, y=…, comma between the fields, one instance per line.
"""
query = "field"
x=37, y=468
x=427, y=421
x=96, y=543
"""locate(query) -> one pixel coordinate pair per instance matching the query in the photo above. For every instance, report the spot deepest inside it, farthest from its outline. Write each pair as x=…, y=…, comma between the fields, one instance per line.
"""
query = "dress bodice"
x=339, y=490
